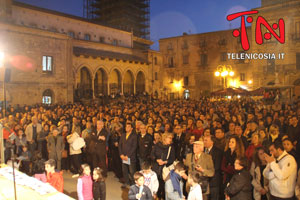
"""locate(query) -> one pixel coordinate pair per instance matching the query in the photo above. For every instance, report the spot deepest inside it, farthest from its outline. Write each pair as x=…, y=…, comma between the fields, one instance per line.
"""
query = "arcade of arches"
x=89, y=85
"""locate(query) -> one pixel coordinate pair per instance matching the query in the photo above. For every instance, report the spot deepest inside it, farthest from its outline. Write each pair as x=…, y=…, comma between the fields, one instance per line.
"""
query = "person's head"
x=55, y=132
x=128, y=127
x=276, y=148
x=198, y=147
x=97, y=174
x=85, y=170
x=139, y=178
x=65, y=129
x=88, y=125
x=287, y=144
x=231, y=127
x=294, y=121
x=219, y=133
x=167, y=138
x=199, y=124
x=274, y=130
x=208, y=141
x=234, y=143
x=238, y=130
x=194, y=178
x=179, y=168
x=34, y=120
x=255, y=139
x=258, y=157
x=20, y=132
x=178, y=129
x=253, y=126
x=241, y=163
x=192, y=139
x=143, y=129
x=262, y=134
x=146, y=167
x=100, y=124
x=24, y=148
x=157, y=137
x=150, y=130
x=50, y=166
x=206, y=132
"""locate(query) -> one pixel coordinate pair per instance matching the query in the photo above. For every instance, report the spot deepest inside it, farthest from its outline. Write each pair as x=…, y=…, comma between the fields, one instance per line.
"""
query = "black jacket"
x=160, y=151
x=217, y=157
x=240, y=186
x=144, y=146
x=99, y=190
x=128, y=147
x=99, y=145
x=134, y=190
x=179, y=145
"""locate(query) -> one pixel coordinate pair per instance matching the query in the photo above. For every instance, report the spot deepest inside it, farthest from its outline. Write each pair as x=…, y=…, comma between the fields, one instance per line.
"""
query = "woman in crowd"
x=234, y=149
x=259, y=182
x=239, y=187
x=163, y=154
x=255, y=142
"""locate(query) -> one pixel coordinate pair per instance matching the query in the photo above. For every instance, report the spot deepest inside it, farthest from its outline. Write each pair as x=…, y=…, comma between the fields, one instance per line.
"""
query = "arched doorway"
x=48, y=97
x=140, y=82
x=114, y=82
x=128, y=83
x=84, y=84
x=100, y=83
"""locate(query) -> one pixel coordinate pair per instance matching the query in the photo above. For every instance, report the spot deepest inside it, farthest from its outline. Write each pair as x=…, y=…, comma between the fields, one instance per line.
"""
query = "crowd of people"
x=205, y=149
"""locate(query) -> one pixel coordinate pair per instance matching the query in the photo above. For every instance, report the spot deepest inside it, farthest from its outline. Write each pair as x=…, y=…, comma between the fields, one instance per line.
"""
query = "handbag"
x=64, y=154
x=166, y=170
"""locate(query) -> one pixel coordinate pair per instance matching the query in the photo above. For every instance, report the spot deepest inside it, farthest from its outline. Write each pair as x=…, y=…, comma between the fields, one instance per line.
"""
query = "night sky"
x=172, y=17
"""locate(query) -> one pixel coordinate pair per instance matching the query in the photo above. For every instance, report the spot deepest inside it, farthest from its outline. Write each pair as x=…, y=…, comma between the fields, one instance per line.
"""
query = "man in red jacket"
x=55, y=179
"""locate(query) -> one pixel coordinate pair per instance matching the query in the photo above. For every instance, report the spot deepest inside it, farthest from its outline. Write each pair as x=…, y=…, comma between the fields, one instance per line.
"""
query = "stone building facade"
x=190, y=61
x=72, y=57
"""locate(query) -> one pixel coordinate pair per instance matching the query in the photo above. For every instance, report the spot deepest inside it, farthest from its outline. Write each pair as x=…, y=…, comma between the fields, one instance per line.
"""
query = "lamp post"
x=177, y=86
x=224, y=71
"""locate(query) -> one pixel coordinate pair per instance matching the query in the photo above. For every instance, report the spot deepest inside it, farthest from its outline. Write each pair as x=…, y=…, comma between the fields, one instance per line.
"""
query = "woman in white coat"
x=259, y=182
x=74, y=153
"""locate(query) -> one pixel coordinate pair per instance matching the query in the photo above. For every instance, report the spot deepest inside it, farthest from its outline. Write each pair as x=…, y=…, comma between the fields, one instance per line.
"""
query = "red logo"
x=258, y=33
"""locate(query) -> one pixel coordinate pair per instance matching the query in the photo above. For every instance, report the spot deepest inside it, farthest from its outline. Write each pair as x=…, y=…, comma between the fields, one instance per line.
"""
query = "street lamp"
x=177, y=85
x=224, y=71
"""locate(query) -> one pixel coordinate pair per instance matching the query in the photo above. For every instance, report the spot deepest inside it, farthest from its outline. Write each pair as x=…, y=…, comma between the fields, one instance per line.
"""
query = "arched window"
x=47, y=97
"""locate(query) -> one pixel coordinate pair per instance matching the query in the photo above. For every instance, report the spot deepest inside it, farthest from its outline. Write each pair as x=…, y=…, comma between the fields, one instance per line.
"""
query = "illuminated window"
x=47, y=63
x=47, y=97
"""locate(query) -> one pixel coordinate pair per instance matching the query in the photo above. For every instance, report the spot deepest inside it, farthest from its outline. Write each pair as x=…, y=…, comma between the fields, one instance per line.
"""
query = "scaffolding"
x=128, y=15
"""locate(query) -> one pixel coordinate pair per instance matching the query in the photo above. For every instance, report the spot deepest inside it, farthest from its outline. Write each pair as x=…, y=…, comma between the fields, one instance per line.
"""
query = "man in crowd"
x=217, y=156
x=144, y=145
x=281, y=171
x=178, y=142
x=55, y=147
x=99, y=137
x=127, y=150
x=31, y=132
x=202, y=163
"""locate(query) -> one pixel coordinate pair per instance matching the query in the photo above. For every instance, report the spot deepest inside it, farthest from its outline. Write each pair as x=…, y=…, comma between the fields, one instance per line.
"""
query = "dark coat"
x=99, y=145
x=228, y=165
x=99, y=190
x=134, y=190
x=128, y=147
x=144, y=146
x=160, y=151
x=240, y=186
x=217, y=156
x=179, y=145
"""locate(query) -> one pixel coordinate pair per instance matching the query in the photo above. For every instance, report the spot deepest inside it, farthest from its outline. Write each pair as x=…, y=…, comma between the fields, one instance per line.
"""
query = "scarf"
x=175, y=179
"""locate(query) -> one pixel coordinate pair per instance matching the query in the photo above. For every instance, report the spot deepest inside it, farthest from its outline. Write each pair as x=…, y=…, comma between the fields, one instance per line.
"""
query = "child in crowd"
x=195, y=190
x=139, y=190
x=38, y=167
x=24, y=160
x=150, y=176
x=20, y=141
x=55, y=179
x=85, y=184
x=174, y=183
x=99, y=186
